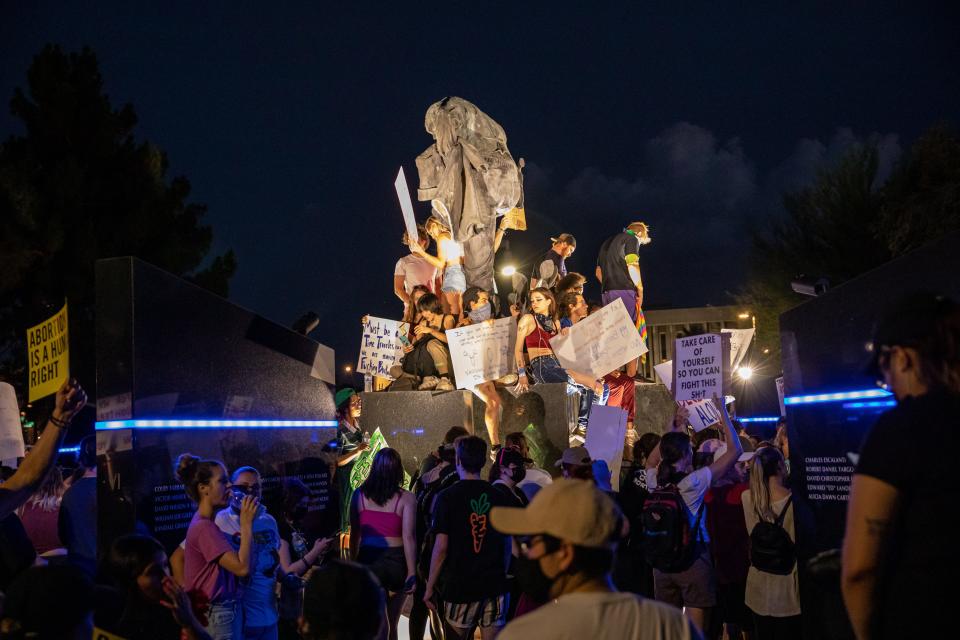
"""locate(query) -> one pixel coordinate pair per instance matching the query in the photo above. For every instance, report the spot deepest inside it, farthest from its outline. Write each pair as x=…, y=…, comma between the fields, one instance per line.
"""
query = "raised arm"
x=871, y=511
x=21, y=485
x=239, y=563
x=729, y=458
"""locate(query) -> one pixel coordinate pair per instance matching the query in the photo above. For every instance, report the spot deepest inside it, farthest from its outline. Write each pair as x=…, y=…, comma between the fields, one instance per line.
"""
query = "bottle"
x=366, y=437
x=299, y=544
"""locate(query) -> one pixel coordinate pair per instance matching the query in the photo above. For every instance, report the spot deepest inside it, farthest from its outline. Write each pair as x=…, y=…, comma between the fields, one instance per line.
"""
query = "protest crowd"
x=505, y=535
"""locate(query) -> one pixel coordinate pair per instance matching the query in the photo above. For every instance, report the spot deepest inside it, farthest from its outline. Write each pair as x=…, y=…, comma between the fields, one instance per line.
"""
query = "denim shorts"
x=454, y=280
x=224, y=621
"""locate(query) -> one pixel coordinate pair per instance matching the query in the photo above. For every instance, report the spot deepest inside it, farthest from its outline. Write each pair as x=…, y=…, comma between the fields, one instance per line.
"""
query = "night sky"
x=291, y=123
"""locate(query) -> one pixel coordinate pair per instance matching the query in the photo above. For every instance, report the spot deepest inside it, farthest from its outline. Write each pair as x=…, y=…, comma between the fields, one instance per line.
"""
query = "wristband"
x=61, y=424
x=522, y=371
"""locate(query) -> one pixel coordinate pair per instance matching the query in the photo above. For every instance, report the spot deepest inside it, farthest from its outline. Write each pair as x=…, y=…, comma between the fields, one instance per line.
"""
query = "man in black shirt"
x=618, y=270
x=469, y=561
x=551, y=266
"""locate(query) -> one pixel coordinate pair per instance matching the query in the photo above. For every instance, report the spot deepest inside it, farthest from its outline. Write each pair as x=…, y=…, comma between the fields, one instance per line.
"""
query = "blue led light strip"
x=873, y=404
x=70, y=449
x=818, y=398
x=760, y=419
x=212, y=424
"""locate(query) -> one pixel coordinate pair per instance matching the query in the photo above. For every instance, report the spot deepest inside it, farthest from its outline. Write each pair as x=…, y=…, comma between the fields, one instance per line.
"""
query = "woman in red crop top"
x=382, y=521
x=534, y=332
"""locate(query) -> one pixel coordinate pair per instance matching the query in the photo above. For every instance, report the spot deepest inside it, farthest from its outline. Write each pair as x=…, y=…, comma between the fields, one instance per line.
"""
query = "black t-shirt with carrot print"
x=475, y=567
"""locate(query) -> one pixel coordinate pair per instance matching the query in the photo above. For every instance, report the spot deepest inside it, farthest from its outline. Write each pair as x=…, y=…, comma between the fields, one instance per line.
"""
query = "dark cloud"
x=702, y=197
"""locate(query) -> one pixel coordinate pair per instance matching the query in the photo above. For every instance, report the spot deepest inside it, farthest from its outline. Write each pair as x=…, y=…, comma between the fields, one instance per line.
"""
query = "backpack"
x=771, y=549
x=670, y=544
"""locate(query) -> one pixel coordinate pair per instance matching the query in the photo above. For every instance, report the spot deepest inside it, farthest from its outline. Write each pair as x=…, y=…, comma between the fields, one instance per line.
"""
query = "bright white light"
x=509, y=270
x=745, y=373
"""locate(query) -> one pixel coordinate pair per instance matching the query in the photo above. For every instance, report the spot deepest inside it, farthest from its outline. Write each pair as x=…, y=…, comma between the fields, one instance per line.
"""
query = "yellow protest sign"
x=100, y=634
x=48, y=353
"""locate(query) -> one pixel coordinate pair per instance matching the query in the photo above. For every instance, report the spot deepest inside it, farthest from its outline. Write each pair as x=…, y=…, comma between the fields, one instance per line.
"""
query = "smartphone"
x=404, y=340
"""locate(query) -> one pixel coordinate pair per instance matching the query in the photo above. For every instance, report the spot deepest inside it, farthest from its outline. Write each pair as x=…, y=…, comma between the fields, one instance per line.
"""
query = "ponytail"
x=766, y=463
x=674, y=446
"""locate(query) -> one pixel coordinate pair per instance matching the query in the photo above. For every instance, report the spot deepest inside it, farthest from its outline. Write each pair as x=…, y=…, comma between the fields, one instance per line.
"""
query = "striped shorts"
x=489, y=612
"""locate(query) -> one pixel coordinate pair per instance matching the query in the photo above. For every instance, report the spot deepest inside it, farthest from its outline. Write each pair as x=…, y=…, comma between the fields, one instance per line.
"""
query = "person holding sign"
x=414, y=270
x=534, y=333
x=476, y=304
x=618, y=270
x=21, y=485
x=683, y=575
x=449, y=258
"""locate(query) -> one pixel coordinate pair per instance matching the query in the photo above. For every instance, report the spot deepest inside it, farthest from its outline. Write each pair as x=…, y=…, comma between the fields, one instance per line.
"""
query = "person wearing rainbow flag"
x=618, y=270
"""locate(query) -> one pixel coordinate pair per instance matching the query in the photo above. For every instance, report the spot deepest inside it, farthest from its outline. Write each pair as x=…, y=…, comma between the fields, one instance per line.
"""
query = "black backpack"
x=771, y=549
x=670, y=544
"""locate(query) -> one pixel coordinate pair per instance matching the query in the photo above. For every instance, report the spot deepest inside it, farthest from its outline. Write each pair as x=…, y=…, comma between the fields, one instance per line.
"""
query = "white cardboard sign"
x=11, y=432
x=406, y=206
x=740, y=340
x=783, y=408
x=606, y=430
x=701, y=366
x=380, y=345
x=482, y=352
x=600, y=343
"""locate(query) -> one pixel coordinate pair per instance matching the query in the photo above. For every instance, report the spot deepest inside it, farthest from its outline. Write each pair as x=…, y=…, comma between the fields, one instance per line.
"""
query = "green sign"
x=361, y=468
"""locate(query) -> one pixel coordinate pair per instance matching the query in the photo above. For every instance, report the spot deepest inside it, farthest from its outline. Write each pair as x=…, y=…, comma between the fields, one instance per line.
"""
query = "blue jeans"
x=224, y=621
x=548, y=369
x=261, y=633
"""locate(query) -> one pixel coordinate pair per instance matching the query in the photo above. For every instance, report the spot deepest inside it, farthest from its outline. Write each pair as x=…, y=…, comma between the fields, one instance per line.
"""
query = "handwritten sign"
x=606, y=430
x=48, y=351
x=703, y=414
x=701, y=366
x=380, y=346
x=482, y=352
x=600, y=343
x=406, y=206
x=740, y=340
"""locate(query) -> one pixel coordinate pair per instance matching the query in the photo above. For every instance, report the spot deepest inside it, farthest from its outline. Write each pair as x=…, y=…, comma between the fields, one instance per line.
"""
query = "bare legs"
x=487, y=392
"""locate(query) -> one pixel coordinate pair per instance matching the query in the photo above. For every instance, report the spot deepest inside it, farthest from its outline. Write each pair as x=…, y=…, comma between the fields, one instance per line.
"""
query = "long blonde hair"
x=48, y=496
x=766, y=463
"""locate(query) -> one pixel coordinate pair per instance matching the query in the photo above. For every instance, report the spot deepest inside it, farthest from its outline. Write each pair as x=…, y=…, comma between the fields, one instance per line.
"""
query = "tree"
x=76, y=187
x=830, y=230
x=921, y=200
x=844, y=225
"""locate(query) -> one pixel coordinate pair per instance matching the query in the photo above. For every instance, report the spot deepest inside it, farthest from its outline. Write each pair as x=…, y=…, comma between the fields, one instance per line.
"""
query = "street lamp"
x=745, y=373
x=509, y=270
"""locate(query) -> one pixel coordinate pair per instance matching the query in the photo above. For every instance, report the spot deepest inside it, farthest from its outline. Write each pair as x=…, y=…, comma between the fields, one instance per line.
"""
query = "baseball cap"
x=507, y=456
x=908, y=322
x=571, y=510
x=343, y=395
x=574, y=455
x=565, y=237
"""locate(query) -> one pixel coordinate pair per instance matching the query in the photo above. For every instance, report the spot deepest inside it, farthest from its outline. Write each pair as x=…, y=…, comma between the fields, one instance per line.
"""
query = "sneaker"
x=430, y=382
x=444, y=385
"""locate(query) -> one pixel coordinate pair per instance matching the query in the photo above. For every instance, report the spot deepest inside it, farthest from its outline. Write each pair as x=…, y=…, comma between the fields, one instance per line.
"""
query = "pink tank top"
x=380, y=524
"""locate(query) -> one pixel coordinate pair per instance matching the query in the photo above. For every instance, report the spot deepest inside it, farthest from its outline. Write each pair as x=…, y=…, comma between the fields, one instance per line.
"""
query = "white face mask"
x=481, y=313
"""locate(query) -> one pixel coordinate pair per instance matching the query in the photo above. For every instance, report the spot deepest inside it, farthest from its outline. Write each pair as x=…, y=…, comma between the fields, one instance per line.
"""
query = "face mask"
x=533, y=581
x=518, y=474
x=480, y=314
